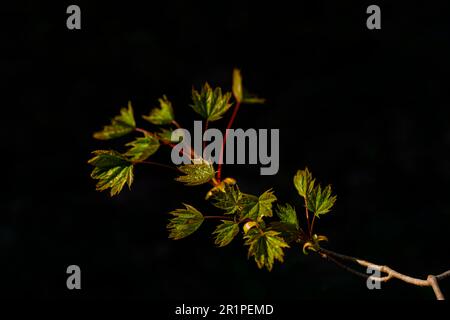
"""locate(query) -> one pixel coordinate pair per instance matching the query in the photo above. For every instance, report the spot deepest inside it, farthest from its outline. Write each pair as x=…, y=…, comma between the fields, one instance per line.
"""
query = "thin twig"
x=434, y=284
x=431, y=281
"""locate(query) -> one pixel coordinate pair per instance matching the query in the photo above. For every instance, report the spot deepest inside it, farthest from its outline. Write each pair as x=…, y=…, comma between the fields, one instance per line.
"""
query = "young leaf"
x=162, y=115
x=142, y=148
x=196, y=173
x=120, y=125
x=210, y=104
x=320, y=201
x=185, y=222
x=112, y=170
x=237, y=85
x=304, y=182
x=287, y=215
x=265, y=246
x=240, y=94
x=220, y=187
x=232, y=200
x=263, y=207
x=228, y=199
x=226, y=232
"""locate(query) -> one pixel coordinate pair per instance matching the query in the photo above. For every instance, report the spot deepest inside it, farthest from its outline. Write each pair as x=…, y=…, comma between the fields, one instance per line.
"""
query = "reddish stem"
x=230, y=123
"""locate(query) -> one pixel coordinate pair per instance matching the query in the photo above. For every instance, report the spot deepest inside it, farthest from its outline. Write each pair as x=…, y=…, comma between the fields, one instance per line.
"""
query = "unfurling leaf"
x=321, y=201
x=220, y=187
x=142, y=148
x=237, y=85
x=112, y=170
x=287, y=215
x=263, y=206
x=226, y=232
x=210, y=104
x=304, y=182
x=265, y=246
x=232, y=200
x=249, y=225
x=196, y=173
x=185, y=222
x=239, y=92
x=120, y=125
x=162, y=115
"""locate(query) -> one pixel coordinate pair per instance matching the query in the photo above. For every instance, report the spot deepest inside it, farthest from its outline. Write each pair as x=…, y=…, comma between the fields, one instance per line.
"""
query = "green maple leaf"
x=304, y=182
x=162, y=115
x=226, y=232
x=185, y=222
x=287, y=215
x=210, y=104
x=232, y=200
x=265, y=246
x=263, y=206
x=196, y=173
x=321, y=201
x=112, y=169
x=142, y=148
x=120, y=125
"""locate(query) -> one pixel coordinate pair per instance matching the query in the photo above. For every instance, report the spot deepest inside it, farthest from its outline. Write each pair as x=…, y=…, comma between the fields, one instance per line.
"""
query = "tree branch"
x=431, y=281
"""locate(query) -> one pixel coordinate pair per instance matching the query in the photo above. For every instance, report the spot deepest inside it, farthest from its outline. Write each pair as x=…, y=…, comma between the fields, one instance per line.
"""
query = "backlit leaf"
x=287, y=214
x=265, y=247
x=185, y=222
x=120, y=125
x=232, y=200
x=237, y=85
x=304, y=182
x=142, y=148
x=196, y=173
x=210, y=104
x=225, y=232
x=263, y=206
x=112, y=170
x=321, y=201
x=162, y=115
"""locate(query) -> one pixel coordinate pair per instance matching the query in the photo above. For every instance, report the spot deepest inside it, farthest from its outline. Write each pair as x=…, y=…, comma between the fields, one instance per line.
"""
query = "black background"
x=366, y=111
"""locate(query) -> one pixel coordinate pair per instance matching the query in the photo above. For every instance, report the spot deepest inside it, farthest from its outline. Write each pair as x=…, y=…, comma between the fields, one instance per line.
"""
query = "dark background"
x=366, y=111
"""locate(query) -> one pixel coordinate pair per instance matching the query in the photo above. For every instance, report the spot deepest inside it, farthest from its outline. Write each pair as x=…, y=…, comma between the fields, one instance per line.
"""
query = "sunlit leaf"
x=237, y=85
x=265, y=247
x=287, y=214
x=263, y=206
x=120, y=125
x=225, y=232
x=304, y=182
x=185, y=222
x=321, y=201
x=162, y=115
x=142, y=148
x=112, y=170
x=196, y=173
x=232, y=200
x=210, y=104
